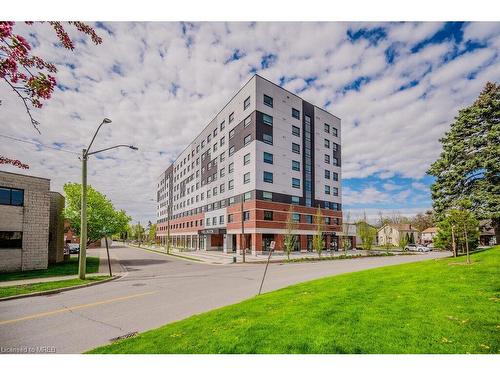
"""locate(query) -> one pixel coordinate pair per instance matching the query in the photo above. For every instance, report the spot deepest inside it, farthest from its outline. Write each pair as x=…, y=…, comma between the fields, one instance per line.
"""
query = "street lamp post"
x=83, y=224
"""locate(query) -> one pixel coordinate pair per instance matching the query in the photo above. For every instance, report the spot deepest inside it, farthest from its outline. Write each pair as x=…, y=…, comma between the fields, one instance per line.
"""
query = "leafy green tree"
x=366, y=233
x=469, y=165
x=290, y=239
x=318, y=243
x=404, y=240
x=102, y=219
x=152, y=232
x=458, y=231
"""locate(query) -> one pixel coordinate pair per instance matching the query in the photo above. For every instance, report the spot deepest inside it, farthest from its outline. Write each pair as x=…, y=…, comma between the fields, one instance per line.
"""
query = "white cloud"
x=385, y=131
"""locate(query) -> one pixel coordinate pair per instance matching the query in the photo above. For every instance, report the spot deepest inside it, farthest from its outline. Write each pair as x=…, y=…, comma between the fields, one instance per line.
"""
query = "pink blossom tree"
x=31, y=77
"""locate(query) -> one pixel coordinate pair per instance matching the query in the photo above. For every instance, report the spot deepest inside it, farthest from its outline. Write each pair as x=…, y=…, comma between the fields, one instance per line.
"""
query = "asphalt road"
x=156, y=289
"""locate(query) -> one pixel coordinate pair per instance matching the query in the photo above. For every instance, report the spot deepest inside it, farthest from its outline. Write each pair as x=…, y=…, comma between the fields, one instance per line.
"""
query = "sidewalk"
x=46, y=279
x=218, y=257
x=116, y=268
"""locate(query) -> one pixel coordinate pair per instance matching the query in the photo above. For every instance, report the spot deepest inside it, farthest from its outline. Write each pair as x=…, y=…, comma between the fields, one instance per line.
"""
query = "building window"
x=230, y=218
x=221, y=219
x=231, y=168
x=296, y=183
x=231, y=134
x=268, y=101
x=246, y=178
x=268, y=138
x=327, y=128
x=215, y=132
x=296, y=131
x=214, y=221
x=209, y=138
x=202, y=143
x=247, y=122
x=295, y=165
x=335, y=176
x=11, y=240
x=309, y=219
x=214, y=191
x=296, y=148
x=207, y=223
x=295, y=199
x=246, y=103
x=268, y=177
x=327, y=158
x=336, y=192
x=215, y=149
x=334, y=131
x=268, y=215
x=246, y=215
x=246, y=159
x=335, y=147
x=268, y=120
x=266, y=195
x=231, y=151
x=209, y=194
x=247, y=139
x=222, y=125
x=231, y=117
x=222, y=141
x=11, y=197
x=222, y=157
x=327, y=189
x=230, y=185
x=296, y=218
x=327, y=143
x=268, y=158
x=335, y=161
x=221, y=188
x=327, y=220
x=247, y=196
x=296, y=113
x=327, y=174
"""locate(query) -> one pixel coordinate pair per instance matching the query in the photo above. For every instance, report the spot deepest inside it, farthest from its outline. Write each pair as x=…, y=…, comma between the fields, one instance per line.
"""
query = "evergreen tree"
x=469, y=165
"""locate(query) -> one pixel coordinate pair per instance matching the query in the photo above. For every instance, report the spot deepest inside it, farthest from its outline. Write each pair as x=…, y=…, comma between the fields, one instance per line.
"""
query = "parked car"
x=417, y=247
x=74, y=248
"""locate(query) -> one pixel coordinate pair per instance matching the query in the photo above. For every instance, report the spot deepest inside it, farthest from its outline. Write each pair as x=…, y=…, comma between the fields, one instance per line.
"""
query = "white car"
x=417, y=247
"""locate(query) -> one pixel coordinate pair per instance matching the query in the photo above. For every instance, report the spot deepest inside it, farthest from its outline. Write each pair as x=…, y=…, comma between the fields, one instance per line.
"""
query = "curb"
x=60, y=290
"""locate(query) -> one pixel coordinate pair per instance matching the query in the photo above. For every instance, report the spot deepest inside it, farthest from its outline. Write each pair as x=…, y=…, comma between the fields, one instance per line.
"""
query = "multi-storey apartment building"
x=266, y=155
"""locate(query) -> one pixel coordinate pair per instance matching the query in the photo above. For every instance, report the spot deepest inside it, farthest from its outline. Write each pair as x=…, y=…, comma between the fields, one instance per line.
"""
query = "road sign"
x=272, y=244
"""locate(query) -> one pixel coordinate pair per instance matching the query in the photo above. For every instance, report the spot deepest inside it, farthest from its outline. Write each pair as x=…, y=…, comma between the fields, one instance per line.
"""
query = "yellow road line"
x=78, y=307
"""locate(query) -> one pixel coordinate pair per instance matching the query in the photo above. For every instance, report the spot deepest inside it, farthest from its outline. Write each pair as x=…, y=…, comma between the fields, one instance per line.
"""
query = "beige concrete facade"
x=392, y=233
x=32, y=219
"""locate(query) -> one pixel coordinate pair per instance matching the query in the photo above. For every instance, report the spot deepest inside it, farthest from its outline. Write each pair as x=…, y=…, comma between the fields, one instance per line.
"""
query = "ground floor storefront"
x=220, y=240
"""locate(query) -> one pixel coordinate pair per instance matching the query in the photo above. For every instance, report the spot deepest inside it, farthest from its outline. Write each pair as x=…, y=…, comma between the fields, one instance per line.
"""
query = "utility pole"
x=82, y=256
x=242, y=230
x=82, y=262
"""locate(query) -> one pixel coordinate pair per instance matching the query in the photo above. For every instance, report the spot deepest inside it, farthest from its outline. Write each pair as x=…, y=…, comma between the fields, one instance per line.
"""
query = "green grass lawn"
x=60, y=269
x=9, y=291
x=436, y=306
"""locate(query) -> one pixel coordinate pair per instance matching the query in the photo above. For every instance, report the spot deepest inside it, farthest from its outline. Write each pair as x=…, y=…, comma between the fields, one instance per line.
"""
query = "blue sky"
x=396, y=86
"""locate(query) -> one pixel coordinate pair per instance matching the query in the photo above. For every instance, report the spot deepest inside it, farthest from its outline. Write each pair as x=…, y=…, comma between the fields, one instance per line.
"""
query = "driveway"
x=156, y=289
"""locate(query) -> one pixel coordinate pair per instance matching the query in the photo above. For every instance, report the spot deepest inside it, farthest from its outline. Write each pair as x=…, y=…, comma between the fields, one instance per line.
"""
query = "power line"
x=38, y=144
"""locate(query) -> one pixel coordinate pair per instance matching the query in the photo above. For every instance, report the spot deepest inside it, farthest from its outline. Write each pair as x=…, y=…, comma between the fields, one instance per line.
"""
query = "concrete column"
x=256, y=243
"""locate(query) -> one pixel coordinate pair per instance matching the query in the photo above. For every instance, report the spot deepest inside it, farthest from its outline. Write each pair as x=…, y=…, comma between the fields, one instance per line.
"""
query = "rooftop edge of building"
x=229, y=101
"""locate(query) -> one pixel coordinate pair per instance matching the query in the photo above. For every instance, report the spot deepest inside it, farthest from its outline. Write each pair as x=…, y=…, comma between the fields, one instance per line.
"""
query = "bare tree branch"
x=34, y=122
